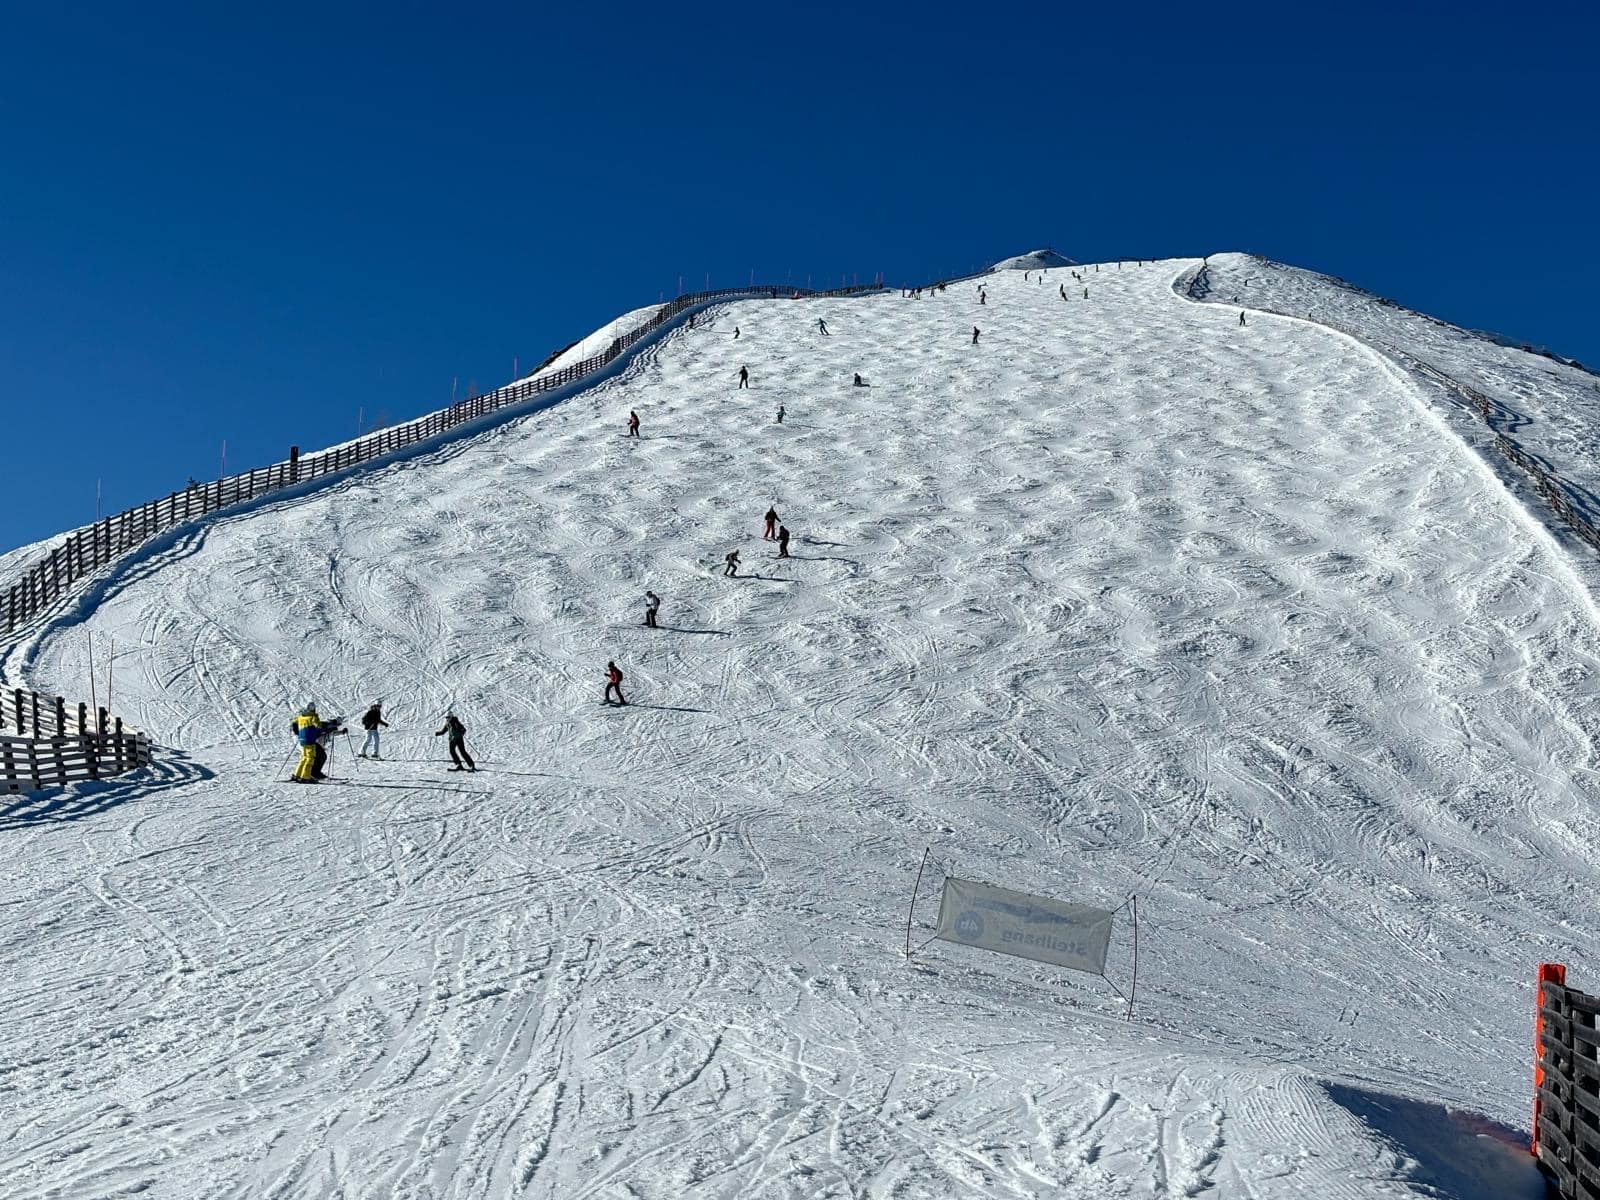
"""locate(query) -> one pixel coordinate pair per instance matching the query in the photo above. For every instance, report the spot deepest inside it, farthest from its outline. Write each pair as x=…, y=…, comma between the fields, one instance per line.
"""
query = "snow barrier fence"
x=1566, y=1085
x=44, y=742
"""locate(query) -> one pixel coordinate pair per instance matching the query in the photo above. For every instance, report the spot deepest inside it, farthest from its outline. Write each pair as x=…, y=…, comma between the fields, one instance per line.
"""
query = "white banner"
x=1007, y=922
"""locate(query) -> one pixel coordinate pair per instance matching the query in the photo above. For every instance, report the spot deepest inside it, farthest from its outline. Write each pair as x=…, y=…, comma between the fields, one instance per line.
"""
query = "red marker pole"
x=1548, y=973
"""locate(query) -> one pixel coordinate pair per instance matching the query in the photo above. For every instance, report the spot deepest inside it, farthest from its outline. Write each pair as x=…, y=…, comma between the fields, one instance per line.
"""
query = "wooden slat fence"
x=1566, y=1129
x=46, y=742
x=28, y=714
x=87, y=550
x=29, y=764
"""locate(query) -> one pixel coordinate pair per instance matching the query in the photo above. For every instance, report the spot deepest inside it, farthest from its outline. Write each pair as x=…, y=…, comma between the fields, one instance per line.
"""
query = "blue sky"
x=220, y=223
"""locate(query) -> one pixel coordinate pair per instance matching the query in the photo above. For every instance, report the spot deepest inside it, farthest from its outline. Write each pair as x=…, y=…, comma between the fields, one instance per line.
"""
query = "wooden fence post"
x=294, y=464
x=34, y=714
x=61, y=716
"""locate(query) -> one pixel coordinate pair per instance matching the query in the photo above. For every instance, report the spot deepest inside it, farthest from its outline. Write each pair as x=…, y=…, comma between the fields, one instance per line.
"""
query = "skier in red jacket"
x=614, y=683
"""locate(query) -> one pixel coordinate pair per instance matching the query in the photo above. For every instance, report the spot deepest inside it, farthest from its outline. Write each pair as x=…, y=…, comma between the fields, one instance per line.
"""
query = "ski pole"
x=350, y=743
x=285, y=765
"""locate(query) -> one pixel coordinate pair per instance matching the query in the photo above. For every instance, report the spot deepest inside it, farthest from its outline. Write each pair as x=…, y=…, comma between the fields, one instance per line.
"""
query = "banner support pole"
x=1133, y=988
x=915, y=888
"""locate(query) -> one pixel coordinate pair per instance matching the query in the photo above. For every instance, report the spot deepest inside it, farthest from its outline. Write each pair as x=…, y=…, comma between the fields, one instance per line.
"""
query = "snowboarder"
x=744, y=377
x=783, y=542
x=458, y=743
x=633, y=423
x=823, y=326
x=771, y=530
x=730, y=564
x=614, y=683
x=974, y=335
x=371, y=720
x=652, y=605
x=858, y=380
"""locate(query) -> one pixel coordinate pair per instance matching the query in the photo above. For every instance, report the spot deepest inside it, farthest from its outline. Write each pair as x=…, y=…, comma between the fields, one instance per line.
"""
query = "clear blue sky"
x=250, y=222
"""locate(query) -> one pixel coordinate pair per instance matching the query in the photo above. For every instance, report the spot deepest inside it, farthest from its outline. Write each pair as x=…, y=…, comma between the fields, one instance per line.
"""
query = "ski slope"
x=1123, y=599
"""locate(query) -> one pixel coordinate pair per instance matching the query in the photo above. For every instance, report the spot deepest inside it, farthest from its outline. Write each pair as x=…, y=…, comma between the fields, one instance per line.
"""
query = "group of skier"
x=314, y=735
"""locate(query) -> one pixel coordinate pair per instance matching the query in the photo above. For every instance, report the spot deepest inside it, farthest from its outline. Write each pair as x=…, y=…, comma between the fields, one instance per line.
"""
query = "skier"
x=633, y=423
x=458, y=743
x=1241, y=318
x=736, y=333
x=691, y=320
x=614, y=683
x=652, y=605
x=823, y=326
x=974, y=335
x=326, y=732
x=783, y=542
x=730, y=564
x=370, y=721
x=1063, y=290
x=983, y=297
x=780, y=414
x=1085, y=293
x=744, y=377
x=305, y=729
x=771, y=531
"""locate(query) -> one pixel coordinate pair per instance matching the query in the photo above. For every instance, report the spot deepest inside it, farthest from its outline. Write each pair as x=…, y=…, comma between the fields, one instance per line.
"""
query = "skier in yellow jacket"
x=306, y=730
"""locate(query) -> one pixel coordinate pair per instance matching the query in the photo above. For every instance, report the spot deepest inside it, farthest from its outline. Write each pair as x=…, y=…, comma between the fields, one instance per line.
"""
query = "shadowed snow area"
x=1123, y=599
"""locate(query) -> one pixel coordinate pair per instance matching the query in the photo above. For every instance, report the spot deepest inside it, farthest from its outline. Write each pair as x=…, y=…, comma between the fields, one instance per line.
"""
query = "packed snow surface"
x=1126, y=598
x=1034, y=260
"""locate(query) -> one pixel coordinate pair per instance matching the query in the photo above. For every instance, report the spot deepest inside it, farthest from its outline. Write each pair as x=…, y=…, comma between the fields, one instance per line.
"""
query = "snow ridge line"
x=1195, y=285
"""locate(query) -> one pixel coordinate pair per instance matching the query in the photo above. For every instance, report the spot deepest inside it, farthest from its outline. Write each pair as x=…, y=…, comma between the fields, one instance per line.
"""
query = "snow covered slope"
x=1034, y=260
x=1125, y=598
x=1548, y=407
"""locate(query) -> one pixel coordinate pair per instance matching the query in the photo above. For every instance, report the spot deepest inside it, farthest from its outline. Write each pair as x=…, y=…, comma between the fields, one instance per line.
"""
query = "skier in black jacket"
x=458, y=743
